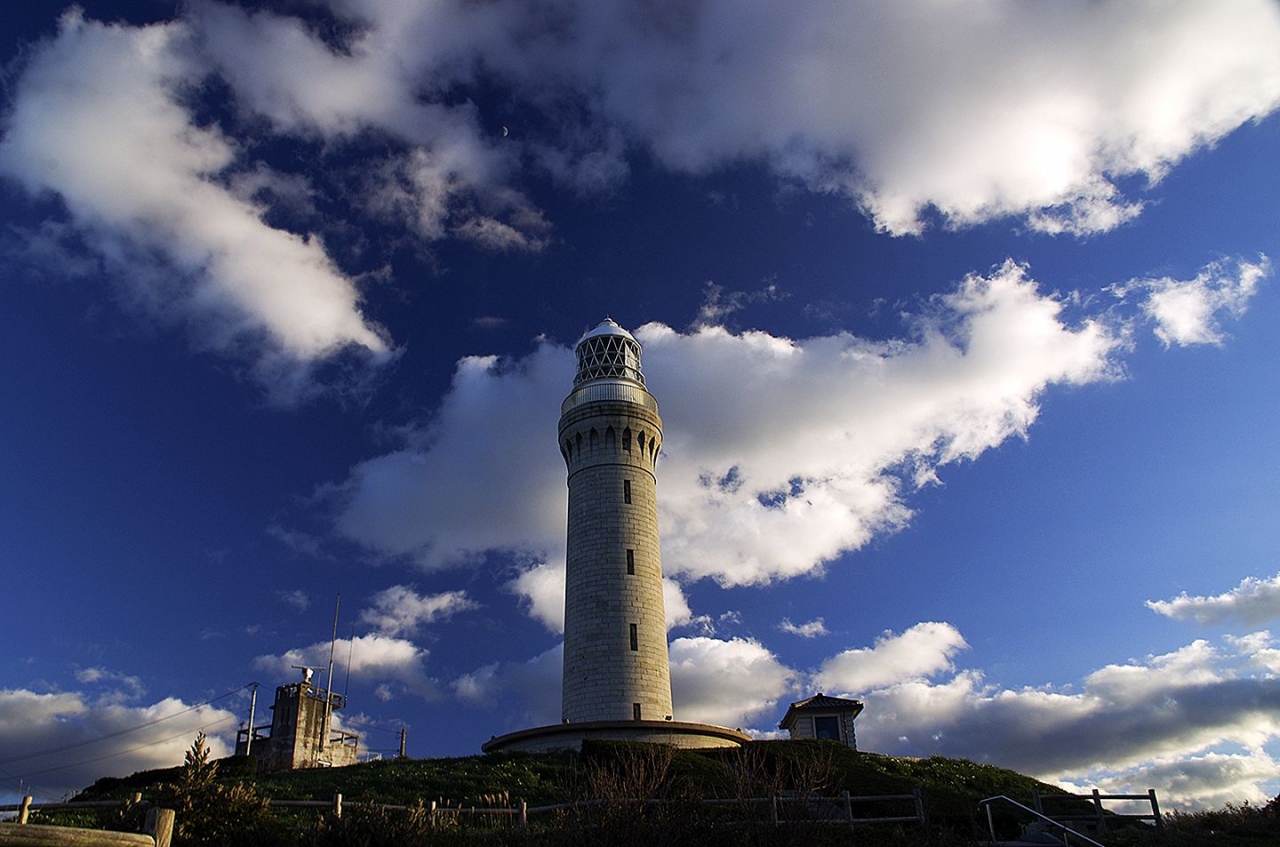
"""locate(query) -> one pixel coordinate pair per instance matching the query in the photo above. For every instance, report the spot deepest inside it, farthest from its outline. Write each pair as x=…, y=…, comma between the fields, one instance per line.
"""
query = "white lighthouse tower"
x=617, y=682
x=615, y=634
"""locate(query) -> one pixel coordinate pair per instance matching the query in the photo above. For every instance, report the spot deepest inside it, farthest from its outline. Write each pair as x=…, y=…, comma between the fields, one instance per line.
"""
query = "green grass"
x=612, y=772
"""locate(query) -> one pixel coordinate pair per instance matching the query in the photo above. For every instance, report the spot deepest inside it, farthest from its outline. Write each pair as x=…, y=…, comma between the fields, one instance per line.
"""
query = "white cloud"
x=98, y=120
x=451, y=175
x=297, y=598
x=1129, y=725
x=1006, y=109
x=528, y=693
x=400, y=610
x=120, y=687
x=90, y=737
x=920, y=652
x=1253, y=601
x=395, y=662
x=421, y=501
x=1187, y=312
x=1192, y=723
x=541, y=587
x=794, y=483
x=728, y=683
x=812, y=629
x=1032, y=110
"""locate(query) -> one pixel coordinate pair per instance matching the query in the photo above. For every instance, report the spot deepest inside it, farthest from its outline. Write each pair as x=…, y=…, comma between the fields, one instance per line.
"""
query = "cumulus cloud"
x=1030, y=110
x=1127, y=726
x=1193, y=723
x=1190, y=311
x=396, y=663
x=63, y=741
x=528, y=692
x=119, y=686
x=729, y=683
x=1012, y=109
x=725, y=682
x=297, y=598
x=812, y=629
x=99, y=120
x=853, y=427
x=476, y=483
x=400, y=610
x=1253, y=601
x=918, y=653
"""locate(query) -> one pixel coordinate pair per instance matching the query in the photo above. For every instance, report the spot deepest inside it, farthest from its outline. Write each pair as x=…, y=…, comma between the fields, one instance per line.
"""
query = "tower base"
x=569, y=736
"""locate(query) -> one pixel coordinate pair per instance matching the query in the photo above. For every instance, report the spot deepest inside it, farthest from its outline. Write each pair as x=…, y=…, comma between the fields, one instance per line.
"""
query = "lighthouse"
x=615, y=634
x=616, y=680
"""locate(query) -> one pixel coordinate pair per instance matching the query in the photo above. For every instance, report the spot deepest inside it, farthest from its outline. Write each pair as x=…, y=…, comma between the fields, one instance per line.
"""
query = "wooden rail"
x=809, y=809
x=21, y=833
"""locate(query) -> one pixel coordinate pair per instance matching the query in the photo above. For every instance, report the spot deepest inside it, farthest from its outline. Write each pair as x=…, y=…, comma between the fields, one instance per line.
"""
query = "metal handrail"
x=991, y=826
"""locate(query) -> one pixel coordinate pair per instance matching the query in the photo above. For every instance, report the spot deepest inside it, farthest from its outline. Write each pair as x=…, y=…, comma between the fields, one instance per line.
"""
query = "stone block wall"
x=615, y=655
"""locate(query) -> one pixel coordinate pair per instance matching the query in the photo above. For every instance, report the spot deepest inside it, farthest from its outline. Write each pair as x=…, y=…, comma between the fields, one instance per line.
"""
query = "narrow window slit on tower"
x=635, y=638
x=626, y=491
x=631, y=562
x=635, y=711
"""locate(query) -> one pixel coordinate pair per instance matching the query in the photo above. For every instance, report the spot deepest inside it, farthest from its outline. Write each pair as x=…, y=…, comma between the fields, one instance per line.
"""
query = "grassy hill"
x=223, y=802
x=949, y=784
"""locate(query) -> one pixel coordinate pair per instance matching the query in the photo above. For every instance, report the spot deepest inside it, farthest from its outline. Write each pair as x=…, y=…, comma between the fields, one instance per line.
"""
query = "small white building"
x=823, y=717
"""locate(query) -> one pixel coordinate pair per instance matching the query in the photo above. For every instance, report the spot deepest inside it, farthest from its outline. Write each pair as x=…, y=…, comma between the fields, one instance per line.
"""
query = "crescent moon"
x=504, y=132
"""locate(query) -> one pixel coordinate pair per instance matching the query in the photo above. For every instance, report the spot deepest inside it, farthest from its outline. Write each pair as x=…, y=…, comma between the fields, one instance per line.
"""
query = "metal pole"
x=253, y=704
x=328, y=694
x=403, y=731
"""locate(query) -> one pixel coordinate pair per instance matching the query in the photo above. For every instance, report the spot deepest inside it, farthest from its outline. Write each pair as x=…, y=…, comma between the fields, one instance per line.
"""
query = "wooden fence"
x=781, y=809
x=158, y=827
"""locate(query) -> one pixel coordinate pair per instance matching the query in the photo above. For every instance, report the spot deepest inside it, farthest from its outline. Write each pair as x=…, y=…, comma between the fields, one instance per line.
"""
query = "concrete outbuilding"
x=823, y=717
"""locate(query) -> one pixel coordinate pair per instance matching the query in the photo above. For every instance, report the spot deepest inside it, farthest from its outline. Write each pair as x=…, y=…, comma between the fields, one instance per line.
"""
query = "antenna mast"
x=328, y=694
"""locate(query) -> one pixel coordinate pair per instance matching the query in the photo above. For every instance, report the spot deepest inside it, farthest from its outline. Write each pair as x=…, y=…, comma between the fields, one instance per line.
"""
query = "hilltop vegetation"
x=950, y=785
x=611, y=787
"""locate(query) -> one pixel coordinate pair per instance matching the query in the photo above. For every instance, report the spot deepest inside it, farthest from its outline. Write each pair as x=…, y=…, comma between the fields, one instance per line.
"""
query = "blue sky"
x=959, y=317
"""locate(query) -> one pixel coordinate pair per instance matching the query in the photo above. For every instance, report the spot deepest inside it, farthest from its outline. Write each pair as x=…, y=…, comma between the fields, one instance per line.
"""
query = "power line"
x=134, y=749
x=363, y=725
x=118, y=733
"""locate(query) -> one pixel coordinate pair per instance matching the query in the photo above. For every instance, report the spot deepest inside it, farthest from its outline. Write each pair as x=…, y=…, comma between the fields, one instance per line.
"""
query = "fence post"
x=524, y=814
x=1097, y=801
x=848, y=807
x=159, y=826
x=919, y=794
x=25, y=812
x=431, y=816
x=1035, y=800
x=774, y=809
x=1155, y=810
x=337, y=805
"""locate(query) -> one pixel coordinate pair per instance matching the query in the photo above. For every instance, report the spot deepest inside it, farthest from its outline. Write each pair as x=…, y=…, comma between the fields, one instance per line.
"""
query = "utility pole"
x=403, y=731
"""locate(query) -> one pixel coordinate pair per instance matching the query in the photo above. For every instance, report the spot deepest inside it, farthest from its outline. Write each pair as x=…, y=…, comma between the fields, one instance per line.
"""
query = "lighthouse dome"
x=608, y=352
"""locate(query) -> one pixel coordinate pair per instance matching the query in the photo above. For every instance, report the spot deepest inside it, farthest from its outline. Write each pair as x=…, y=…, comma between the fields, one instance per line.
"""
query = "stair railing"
x=1067, y=831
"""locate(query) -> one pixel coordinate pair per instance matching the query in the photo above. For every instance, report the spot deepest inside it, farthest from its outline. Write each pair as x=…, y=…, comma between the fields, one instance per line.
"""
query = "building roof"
x=606, y=327
x=819, y=703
